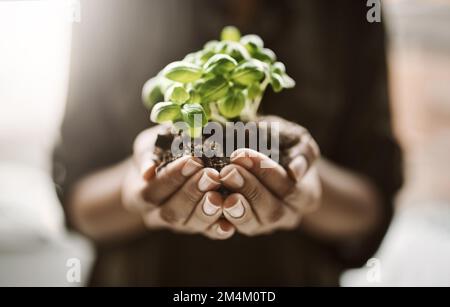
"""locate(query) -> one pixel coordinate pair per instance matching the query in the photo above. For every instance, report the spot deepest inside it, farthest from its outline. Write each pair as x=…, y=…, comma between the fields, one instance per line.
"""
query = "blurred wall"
x=416, y=249
x=419, y=68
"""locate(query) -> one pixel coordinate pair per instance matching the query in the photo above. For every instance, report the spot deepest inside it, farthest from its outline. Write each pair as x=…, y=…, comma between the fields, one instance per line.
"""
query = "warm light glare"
x=34, y=63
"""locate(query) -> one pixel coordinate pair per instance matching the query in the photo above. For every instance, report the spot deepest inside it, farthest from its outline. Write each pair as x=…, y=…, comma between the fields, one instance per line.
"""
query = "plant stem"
x=256, y=103
x=215, y=115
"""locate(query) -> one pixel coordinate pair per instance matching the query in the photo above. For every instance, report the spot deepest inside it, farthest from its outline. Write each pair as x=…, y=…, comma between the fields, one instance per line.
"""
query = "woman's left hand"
x=267, y=196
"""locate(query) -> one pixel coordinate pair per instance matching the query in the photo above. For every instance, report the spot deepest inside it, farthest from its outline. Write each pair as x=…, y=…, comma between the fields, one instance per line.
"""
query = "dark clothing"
x=338, y=61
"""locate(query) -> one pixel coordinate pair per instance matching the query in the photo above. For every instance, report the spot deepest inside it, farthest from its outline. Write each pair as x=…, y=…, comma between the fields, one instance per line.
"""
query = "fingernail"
x=209, y=208
x=146, y=169
x=237, y=154
x=190, y=167
x=237, y=210
x=242, y=159
x=268, y=163
x=298, y=167
x=206, y=183
x=234, y=178
x=222, y=232
x=246, y=162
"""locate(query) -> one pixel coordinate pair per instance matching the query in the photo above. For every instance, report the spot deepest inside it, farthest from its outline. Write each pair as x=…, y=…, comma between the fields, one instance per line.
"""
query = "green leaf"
x=248, y=73
x=230, y=33
x=277, y=82
x=165, y=112
x=194, y=97
x=151, y=92
x=252, y=42
x=195, y=132
x=191, y=57
x=265, y=55
x=207, y=108
x=233, y=49
x=288, y=82
x=210, y=46
x=213, y=89
x=280, y=81
x=220, y=64
x=279, y=68
x=205, y=56
x=232, y=105
x=254, y=91
x=183, y=72
x=176, y=93
x=194, y=115
x=165, y=83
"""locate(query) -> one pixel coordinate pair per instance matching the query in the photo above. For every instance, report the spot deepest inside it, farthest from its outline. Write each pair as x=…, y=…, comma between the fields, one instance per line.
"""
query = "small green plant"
x=225, y=81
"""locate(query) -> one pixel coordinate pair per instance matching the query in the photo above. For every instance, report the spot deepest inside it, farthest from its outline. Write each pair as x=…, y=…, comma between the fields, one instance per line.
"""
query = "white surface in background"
x=415, y=251
x=47, y=265
x=30, y=214
x=34, y=61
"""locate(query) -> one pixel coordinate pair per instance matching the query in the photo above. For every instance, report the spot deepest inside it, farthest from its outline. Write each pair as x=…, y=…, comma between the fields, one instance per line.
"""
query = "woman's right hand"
x=180, y=197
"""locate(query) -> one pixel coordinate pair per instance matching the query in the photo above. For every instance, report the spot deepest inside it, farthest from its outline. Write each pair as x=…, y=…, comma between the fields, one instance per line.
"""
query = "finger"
x=178, y=208
x=269, y=172
x=268, y=208
x=220, y=230
x=171, y=178
x=297, y=168
x=238, y=211
x=289, y=133
x=131, y=192
x=145, y=141
x=207, y=211
x=146, y=166
x=305, y=198
x=302, y=156
x=143, y=150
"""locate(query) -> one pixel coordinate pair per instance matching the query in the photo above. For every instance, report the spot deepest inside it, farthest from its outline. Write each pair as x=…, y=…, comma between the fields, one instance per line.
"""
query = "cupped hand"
x=267, y=196
x=181, y=196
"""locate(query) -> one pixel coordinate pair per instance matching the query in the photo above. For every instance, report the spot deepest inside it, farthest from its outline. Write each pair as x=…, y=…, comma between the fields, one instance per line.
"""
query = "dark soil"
x=164, y=155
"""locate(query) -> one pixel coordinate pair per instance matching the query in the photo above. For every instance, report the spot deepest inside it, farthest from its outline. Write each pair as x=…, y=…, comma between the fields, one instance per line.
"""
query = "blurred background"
x=416, y=248
x=35, y=50
x=34, y=65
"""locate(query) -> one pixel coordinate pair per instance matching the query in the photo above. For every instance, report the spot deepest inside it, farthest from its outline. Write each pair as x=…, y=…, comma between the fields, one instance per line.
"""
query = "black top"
x=338, y=61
